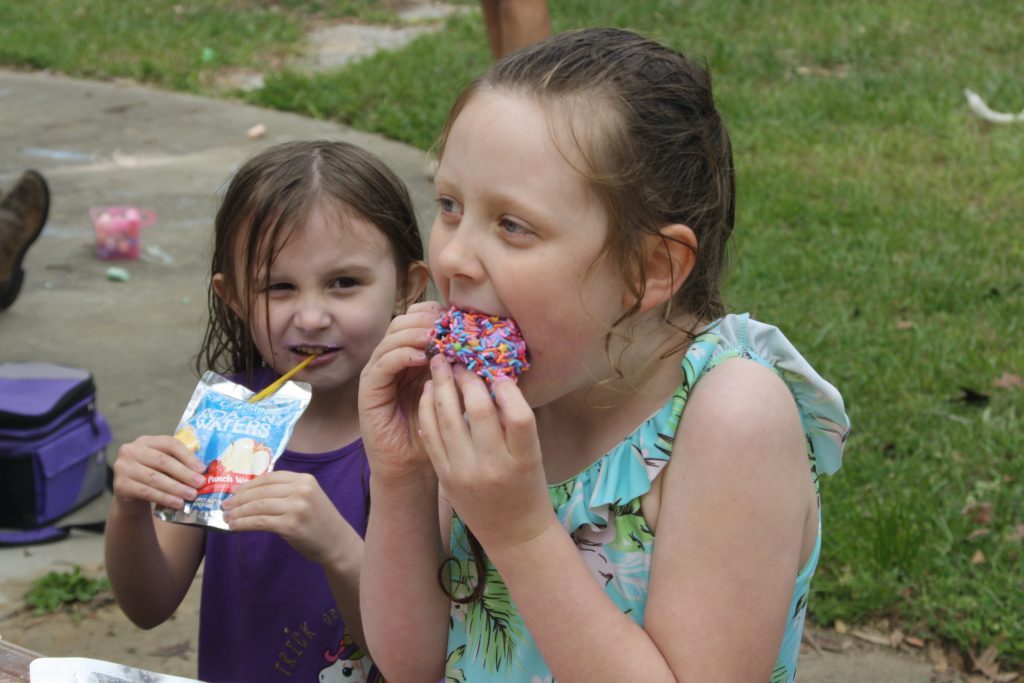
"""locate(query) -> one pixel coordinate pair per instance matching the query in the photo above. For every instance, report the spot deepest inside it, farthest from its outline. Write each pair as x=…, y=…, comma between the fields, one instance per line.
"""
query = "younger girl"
x=316, y=250
x=643, y=505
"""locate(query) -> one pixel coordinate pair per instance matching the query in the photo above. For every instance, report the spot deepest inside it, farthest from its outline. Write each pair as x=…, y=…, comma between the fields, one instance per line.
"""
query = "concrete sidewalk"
x=112, y=144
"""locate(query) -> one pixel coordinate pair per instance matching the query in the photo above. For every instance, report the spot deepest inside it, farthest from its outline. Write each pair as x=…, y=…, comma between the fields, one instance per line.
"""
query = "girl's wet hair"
x=270, y=196
x=652, y=145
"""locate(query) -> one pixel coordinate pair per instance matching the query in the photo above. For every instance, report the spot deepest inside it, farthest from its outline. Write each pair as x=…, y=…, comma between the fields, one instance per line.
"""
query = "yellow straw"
x=281, y=380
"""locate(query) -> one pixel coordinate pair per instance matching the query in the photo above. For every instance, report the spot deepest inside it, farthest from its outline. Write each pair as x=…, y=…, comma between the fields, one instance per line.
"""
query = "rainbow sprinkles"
x=489, y=345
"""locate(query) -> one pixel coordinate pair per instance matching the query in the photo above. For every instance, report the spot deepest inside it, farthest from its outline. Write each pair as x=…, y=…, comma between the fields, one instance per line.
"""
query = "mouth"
x=322, y=352
x=478, y=311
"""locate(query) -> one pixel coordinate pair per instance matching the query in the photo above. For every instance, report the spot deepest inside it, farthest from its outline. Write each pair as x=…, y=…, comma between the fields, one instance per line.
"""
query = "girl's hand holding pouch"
x=157, y=469
x=487, y=456
x=293, y=506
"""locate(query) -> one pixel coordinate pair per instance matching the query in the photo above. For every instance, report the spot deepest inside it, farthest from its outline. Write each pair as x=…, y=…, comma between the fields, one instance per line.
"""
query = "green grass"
x=880, y=226
x=177, y=45
x=55, y=590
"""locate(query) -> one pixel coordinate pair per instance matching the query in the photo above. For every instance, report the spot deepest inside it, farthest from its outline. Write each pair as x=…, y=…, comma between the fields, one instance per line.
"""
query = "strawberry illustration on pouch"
x=241, y=461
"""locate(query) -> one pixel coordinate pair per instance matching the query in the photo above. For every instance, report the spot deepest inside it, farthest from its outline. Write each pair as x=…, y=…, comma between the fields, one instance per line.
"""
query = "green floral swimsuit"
x=600, y=508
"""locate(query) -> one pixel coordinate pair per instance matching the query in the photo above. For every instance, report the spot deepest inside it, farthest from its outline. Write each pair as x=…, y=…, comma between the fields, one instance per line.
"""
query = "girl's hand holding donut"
x=486, y=454
x=388, y=386
x=156, y=469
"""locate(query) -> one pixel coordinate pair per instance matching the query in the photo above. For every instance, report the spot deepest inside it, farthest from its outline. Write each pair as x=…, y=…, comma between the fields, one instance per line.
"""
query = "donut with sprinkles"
x=489, y=345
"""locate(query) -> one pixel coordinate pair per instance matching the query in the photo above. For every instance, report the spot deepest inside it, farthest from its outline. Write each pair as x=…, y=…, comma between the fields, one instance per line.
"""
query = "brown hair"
x=268, y=197
x=653, y=147
x=653, y=144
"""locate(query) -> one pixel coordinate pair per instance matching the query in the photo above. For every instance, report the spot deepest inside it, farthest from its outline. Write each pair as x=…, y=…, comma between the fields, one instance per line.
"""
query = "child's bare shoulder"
x=741, y=410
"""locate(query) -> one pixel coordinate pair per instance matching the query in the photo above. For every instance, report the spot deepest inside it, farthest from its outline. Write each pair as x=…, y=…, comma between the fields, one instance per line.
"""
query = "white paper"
x=82, y=670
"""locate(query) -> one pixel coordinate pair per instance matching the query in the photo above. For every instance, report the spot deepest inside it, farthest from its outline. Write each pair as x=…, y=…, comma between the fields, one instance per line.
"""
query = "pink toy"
x=117, y=230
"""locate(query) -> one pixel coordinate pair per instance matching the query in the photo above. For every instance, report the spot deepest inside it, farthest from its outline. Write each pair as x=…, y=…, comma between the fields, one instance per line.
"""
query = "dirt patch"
x=101, y=631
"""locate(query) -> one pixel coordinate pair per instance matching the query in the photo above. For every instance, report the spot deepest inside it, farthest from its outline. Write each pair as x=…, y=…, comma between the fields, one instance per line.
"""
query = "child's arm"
x=405, y=612
x=152, y=563
x=295, y=507
x=729, y=539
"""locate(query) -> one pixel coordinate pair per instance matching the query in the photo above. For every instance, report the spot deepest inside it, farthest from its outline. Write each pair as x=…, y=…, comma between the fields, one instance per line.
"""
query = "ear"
x=670, y=257
x=225, y=293
x=415, y=283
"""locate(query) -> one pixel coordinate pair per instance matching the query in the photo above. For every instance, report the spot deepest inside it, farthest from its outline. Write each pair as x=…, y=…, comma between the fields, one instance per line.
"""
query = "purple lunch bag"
x=52, y=448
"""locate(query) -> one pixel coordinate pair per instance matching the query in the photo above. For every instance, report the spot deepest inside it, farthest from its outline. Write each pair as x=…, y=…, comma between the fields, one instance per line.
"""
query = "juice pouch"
x=237, y=441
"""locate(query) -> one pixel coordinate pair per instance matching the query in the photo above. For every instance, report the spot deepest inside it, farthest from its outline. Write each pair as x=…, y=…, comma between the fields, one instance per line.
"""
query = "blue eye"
x=512, y=228
x=448, y=205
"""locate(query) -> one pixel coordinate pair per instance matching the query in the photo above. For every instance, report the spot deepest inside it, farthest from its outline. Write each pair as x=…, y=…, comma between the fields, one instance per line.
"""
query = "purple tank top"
x=267, y=613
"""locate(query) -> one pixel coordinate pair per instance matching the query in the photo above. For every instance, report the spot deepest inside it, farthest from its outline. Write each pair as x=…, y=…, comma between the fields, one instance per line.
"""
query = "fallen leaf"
x=913, y=641
x=978, y=557
x=841, y=627
x=833, y=642
x=986, y=662
x=937, y=657
x=956, y=659
x=256, y=132
x=904, y=325
x=979, y=533
x=1008, y=381
x=979, y=513
x=876, y=638
x=812, y=641
x=838, y=71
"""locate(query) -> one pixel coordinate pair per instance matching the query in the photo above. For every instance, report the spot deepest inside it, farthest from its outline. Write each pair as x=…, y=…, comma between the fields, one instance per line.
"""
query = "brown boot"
x=23, y=213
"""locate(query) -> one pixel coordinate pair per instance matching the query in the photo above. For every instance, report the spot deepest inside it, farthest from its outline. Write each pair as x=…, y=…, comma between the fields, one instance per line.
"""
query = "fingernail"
x=198, y=480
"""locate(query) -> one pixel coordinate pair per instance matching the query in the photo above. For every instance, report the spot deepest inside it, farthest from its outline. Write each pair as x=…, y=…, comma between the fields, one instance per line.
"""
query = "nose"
x=454, y=255
x=311, y=314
